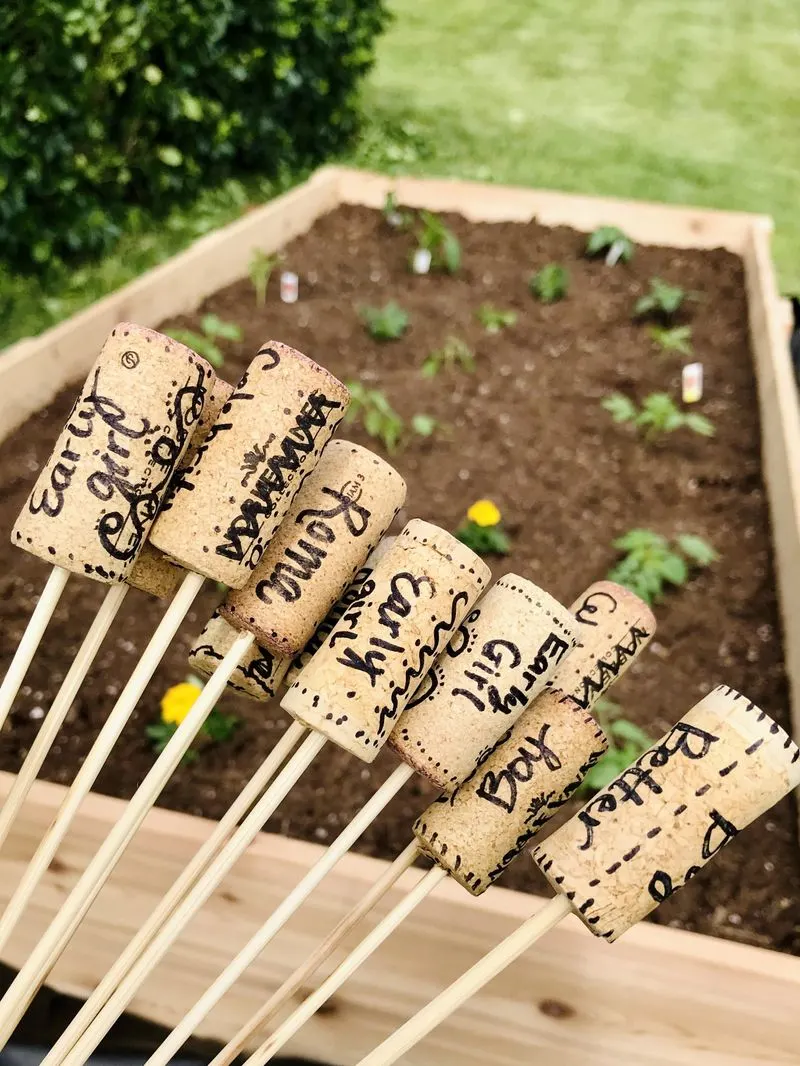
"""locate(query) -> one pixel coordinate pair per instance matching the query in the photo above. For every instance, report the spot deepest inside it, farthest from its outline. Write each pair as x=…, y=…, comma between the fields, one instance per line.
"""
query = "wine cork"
x=345, y=506
x=540, y=761
x=500, y=658
x=359, y=682
x=614, y=627
x=334, y=616
x=259, y=672
x=245, y=475
x=95, y=500
x=153, y=572
x=654, y=827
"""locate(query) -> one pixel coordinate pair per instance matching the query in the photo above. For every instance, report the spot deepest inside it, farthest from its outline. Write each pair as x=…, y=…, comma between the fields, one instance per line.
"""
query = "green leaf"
x=699, y=424
x=218, y=327
x=451, y=252
x=385, y=323
x=169, y=155
x=613, y=241
x=619, y=407
x=675, y=339
x=152, y=74
x=424, y=425
x=430, y=368
x=550, y=284
x=674, y=569
x=698, y=550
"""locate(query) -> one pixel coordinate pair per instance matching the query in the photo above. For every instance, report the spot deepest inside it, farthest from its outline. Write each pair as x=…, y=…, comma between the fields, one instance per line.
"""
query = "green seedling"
x=482, y=530
x=493, y=319
x=658, y=415
x=611, y=242
x=672, y=338
x=175, y=705
x=454, y=355
x=440, y=241
x=205, y=344
x=260, y=270
x=550, y=284
x=626, y=743
x=393, y=215
x=650, y=562
x=372, y=409
x=662, y=300
x=386, y=323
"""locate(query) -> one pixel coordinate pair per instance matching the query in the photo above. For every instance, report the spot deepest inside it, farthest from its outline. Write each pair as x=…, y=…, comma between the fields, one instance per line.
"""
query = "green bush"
x=109, y=108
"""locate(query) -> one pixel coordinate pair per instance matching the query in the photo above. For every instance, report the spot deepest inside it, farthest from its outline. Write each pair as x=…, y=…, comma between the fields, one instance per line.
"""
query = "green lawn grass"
x=689, y=102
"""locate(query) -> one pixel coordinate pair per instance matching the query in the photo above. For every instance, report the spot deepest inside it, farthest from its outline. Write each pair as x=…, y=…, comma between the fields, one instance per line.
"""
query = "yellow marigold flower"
x=178, y=701
x=484, y=513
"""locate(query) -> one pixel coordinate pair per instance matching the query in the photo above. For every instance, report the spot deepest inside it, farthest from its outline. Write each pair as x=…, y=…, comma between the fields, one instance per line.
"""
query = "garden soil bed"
x=527, y=430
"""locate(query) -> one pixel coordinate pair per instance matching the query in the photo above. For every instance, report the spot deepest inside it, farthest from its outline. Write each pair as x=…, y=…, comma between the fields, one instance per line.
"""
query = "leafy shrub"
x=550, y=284
x=385, y=323
x=658, y=415
x=663, y=300
x=650, y=561
x=112, y=107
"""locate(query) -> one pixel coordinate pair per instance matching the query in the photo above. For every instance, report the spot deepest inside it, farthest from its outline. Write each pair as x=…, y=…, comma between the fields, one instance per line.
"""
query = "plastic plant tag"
x=421, y=263
x=692, y=383
x=289, y=287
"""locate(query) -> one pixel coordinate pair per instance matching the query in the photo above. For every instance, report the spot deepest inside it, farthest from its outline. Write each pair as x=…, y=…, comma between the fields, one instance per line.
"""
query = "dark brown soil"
x=528, y=431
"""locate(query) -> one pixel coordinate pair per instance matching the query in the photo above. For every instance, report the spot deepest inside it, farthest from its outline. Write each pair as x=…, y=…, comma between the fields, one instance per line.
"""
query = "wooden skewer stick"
x=31, y=639
x=54, y=718
x=439, y=1008
x=297, y=979
x=34, y=971
x=371, y=942
x=197, y=896
x=202, y=860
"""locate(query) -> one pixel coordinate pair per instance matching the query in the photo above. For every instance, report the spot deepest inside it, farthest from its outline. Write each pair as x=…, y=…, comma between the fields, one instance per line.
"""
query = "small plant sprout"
x=175, y=705
x=260, y=270
x=658, y=415
x=393, y=216
x=372, y=409
x=611, y=242
x=626, y=743
x=440, y=241
x=650, y=562
x=493, y=319
x=482, y=529
x=672, y=338
x=661, y=301
x=550, y=284
x=455, y=354
x=214, y=329
x=386, y=323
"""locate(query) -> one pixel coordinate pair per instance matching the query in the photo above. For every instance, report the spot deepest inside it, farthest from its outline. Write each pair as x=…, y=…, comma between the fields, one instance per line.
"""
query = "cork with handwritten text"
x=97, y=496
x=268, y=437
x=357, y=685
x=335, y=614
x=345, y=506
x=539, y=762
x=657, y=824
x=259, y=673
x=153, y=572
x=500, y=658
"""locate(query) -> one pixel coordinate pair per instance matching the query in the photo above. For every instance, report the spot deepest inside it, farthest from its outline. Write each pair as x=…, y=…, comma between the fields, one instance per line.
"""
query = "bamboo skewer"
x=52, y=943
x=31, y=639
x=201, y=862
x=296, y=980
x=59, y=709
x=443, y=1005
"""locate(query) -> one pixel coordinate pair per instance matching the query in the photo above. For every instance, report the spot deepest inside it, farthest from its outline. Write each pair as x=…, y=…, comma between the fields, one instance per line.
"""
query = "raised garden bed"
x=526, y=429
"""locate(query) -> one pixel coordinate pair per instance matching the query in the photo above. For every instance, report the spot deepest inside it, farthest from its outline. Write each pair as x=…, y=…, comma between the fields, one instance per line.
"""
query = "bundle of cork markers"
x=165, y=476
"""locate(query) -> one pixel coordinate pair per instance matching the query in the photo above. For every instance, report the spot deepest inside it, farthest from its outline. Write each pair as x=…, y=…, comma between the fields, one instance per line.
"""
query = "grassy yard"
x=692, y=102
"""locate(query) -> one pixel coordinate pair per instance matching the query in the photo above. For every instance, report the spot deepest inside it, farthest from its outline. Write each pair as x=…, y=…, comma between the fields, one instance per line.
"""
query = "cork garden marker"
x=649, y=832
x=418, y=594
x=230, y=500
x=528, y=773
x=151, y=573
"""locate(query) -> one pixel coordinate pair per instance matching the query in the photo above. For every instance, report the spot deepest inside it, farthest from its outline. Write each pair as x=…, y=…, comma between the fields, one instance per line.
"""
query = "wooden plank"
x=646, y=223
x=780, y=441
x=34, y=370
x=660, y=997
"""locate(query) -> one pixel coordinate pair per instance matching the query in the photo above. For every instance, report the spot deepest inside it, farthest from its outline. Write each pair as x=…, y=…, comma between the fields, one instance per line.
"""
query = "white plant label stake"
x=692, y=383
x=290, y=287
x=421, y=263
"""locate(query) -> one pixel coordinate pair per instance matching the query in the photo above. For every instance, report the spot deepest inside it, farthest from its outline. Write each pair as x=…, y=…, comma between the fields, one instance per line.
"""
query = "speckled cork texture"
x=655, y=826
x=95, y=500
x=345, y=506
x=337, y=612
x=259, y=673
x=268, y=437
x=357, y=685
x=500, y=658
x=614, y=626
x=152, y=572
x=519, y=785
